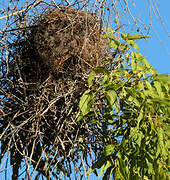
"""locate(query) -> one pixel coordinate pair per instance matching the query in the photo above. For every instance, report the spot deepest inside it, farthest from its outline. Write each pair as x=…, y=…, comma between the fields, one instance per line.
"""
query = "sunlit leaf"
x=123, y=168
x=112, y=99
x=163, y=78
x=113, y=44
x=105, y=166
x=111, y=96
x=158, y=87
x=109, y=149
x=86, y=102
x=133, y=44
x=140, y=117
x=133, y=37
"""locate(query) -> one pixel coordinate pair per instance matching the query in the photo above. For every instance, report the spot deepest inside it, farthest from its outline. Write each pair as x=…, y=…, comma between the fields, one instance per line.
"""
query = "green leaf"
x=112, y=99
x=123, y=168
x=149, y=162
x=105, y=166
x=133, y=44
x=86, y=102
x=158, y=87
x=133, y=100
x=151, y=122
x=126, y=36
x=109, y=30
x=109, y=149
x=80, y=117
x=139, y=118
x=139, y=138
x=91, y=76
x=101, y=69
x=96, y=71
x=165, y=78
x=111, y=96
x=163, y=101
x=123, y=47
x=114, y=38
x=161, y=144
x=113, y=44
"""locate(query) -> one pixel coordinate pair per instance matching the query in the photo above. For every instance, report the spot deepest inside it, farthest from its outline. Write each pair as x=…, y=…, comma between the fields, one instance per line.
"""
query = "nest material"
x=47, y=76
x=69, y=34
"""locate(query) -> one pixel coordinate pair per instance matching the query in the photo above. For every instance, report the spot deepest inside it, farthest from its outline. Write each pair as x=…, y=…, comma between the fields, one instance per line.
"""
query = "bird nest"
x=42, y=83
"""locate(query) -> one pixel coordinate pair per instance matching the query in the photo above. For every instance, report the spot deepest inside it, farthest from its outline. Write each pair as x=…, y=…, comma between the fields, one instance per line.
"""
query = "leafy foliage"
x=130, y=102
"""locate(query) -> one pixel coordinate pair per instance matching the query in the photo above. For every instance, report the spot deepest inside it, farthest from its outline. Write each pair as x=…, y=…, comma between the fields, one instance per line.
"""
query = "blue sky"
x=156, y=53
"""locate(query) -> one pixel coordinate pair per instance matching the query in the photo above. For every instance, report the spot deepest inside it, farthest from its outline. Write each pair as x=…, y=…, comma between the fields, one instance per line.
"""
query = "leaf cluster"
x=130, y=103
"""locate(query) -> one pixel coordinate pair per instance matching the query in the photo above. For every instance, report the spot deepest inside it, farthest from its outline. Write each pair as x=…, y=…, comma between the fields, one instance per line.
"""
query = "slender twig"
x=23, y=10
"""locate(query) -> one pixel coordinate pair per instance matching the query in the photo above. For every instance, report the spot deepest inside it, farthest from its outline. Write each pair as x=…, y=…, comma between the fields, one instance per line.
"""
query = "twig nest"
x=47, y=74
x=69, y=35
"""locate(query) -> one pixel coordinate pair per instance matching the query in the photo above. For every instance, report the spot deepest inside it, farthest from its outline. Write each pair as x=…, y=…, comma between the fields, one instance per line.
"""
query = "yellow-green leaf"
x=109, y=149
x=136, y=37
x=133, y=44
x=86, y=102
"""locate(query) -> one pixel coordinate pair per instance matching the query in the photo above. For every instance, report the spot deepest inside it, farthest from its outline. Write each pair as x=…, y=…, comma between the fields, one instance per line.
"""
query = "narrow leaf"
x=133, y=44
x=136, y=37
